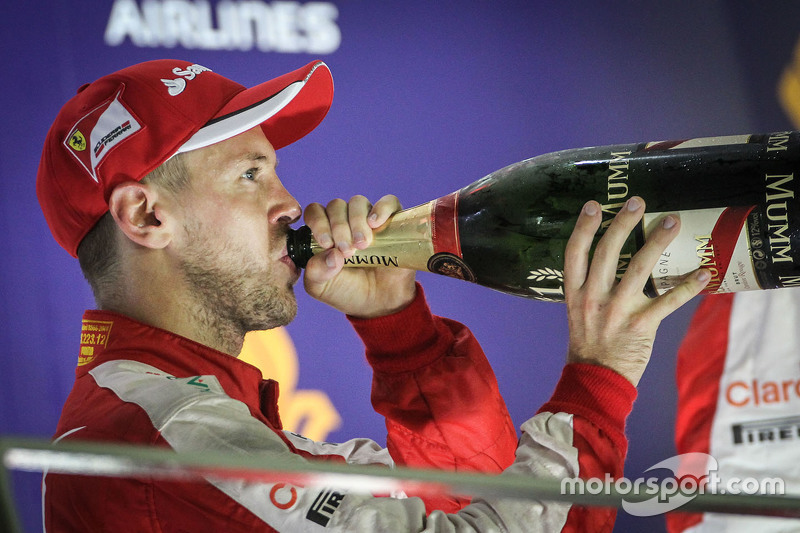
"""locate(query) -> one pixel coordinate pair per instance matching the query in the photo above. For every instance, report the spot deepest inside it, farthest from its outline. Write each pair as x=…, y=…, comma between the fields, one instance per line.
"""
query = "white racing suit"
x=738, y=377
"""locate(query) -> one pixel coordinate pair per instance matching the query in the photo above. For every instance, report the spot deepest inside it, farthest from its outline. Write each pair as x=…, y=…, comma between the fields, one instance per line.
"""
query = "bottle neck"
x=404, y=241
x=299, y=246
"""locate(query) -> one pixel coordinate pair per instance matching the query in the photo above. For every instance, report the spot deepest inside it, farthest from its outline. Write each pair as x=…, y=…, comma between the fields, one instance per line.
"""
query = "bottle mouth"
x=298, y=246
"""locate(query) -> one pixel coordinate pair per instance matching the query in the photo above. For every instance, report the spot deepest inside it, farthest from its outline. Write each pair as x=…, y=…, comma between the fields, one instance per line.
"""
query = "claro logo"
x=288, y=27
x=758, y=392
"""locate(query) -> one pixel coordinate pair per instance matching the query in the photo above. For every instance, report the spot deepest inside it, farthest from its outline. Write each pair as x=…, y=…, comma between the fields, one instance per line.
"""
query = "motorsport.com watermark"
x=693, y=474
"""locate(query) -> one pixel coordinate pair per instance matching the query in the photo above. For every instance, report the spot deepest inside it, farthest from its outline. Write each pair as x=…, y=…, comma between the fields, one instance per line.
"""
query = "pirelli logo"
x=767, y=431
x=324, y=506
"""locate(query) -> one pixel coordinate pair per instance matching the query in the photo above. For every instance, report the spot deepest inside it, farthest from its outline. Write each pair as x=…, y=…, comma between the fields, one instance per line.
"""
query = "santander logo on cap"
x=177, y=85
x=99, y=131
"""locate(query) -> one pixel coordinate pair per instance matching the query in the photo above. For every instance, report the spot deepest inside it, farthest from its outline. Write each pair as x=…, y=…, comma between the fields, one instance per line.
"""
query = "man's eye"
x=249, y=175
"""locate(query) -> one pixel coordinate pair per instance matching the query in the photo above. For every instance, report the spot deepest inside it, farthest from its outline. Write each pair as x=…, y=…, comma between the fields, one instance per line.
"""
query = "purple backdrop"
x=430, y=96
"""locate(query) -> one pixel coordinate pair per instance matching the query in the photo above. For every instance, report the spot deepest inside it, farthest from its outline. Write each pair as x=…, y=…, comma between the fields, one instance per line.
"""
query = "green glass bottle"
x=735, y=196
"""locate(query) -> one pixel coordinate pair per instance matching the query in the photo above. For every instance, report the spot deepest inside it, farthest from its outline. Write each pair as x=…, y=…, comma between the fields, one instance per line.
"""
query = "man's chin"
x=287, y=312
x=282, y=309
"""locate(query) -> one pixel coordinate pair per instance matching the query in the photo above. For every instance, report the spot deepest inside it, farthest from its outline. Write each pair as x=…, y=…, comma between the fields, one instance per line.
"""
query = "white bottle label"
x=715, y=239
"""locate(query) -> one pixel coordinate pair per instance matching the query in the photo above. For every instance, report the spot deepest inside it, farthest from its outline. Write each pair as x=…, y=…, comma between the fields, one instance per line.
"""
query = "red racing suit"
x=141, y=385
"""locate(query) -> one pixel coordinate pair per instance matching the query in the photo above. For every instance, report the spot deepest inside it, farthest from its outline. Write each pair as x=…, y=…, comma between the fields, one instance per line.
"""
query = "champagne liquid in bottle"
x=736, y=197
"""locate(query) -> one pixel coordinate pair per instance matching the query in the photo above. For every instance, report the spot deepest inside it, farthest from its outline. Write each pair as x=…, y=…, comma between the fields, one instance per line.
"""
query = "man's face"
x=232, y=247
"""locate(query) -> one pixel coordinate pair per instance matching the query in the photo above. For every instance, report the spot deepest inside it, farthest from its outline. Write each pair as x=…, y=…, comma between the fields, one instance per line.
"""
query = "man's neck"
x=154, y=297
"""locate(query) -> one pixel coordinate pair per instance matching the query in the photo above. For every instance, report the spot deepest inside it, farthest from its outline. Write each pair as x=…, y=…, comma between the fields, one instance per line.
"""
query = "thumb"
x=322, y=268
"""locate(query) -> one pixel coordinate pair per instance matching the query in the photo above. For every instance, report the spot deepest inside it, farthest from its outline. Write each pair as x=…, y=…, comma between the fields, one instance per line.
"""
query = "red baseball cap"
x=124, y=125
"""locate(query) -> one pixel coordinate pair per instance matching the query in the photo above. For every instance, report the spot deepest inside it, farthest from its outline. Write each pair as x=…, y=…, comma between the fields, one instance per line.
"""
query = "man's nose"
x=285, y=209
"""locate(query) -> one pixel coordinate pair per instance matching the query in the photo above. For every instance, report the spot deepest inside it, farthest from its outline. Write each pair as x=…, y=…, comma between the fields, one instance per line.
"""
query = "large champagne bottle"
x=735, y=196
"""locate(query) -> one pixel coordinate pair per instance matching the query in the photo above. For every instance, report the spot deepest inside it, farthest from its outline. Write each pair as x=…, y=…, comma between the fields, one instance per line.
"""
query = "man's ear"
x=135, y=208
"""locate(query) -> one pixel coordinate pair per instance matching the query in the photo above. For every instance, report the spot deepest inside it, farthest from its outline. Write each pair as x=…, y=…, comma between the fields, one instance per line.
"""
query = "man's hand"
x=341, y=228
x=611, y=322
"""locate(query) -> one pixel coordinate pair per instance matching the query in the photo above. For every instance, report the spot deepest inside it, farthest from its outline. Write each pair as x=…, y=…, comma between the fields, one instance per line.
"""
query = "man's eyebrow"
x=257, y=158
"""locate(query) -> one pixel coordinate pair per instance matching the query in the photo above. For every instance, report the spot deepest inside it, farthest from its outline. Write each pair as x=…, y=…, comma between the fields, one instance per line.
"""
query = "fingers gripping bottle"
x=736, y=196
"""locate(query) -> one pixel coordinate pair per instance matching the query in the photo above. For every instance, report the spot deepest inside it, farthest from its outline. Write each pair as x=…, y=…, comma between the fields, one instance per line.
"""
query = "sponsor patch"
x=768, y=431
x=77, y=142
x=177, y=85
x=94, y=337
x=107, y=125
x=283, y=496
x=200, y=383
x=326, y=503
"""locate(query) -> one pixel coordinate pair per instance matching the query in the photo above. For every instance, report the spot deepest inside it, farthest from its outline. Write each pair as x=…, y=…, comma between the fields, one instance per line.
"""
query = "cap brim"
x=287, y=108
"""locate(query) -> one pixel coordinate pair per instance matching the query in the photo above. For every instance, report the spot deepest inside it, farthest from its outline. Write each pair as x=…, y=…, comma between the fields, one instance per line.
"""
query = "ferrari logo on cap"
x=107, y=126
x=77, y=141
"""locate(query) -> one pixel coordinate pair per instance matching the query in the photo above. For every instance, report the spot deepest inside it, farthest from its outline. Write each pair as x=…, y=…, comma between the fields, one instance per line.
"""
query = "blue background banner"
x=430, y=96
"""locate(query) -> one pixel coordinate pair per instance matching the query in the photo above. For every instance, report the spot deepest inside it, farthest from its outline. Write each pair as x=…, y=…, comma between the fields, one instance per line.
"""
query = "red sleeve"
x=439, y=395
x=600, y=401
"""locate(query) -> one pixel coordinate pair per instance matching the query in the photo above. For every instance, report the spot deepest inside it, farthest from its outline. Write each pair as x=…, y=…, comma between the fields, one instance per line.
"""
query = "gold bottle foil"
x=404, y=241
